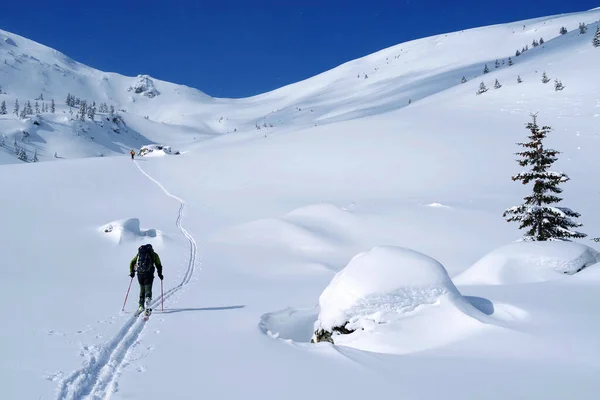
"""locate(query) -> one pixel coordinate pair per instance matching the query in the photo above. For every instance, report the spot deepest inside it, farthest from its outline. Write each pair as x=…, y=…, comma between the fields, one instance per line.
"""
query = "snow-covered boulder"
x=393, y=300
x=9, y=41
x=153, y=150
x=144, y=86
x=529, y=261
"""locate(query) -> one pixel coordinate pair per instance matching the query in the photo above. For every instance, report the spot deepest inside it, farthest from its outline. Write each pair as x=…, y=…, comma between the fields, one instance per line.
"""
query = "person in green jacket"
x=146, y=260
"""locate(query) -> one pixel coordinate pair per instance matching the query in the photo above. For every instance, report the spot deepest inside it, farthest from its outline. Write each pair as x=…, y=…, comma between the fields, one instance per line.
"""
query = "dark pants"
x=145, y=282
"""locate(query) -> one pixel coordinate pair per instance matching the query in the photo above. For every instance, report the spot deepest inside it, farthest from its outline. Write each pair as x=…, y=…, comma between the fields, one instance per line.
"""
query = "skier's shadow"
x=176, y=310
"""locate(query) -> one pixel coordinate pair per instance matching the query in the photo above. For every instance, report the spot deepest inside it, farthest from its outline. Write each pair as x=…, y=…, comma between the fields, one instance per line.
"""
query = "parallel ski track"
x=98, y=376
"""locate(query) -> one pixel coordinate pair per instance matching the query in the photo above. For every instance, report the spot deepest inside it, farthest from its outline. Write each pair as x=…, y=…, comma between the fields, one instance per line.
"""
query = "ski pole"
x=162, y=296
x=130, y=282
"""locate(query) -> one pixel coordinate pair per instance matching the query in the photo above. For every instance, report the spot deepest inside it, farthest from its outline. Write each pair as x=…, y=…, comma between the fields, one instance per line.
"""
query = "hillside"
x=385, y=215
x=155, y=111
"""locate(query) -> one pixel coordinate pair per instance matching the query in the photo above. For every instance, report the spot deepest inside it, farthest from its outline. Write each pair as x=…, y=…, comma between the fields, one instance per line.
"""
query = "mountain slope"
x=377, y=83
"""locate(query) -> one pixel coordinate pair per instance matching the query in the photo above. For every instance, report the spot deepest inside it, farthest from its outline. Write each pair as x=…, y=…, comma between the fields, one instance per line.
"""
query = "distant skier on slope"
x=132, y=153
x=146, y=259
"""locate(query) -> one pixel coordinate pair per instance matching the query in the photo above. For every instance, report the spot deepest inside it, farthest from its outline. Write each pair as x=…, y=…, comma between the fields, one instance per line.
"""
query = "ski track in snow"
x=97, y=378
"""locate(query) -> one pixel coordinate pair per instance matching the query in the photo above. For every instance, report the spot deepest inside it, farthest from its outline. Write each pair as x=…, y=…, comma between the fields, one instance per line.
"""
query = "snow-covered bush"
x=523, y=262
x=372, y=302
x=144, y=86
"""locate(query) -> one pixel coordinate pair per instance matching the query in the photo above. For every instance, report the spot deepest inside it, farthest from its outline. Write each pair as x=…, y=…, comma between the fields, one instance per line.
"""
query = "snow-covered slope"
x=158, y=111
x=252, y=227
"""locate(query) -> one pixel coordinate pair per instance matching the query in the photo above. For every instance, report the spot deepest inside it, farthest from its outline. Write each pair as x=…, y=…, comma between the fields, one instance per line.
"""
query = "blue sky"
x=240, y=48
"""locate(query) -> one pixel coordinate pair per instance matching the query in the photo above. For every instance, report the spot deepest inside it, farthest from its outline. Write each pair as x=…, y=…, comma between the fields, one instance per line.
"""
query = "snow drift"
x=388, y=300
x=523, y=262
x=128, y=230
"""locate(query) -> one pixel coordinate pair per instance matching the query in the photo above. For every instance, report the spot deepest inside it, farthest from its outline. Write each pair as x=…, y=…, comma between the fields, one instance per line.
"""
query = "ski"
x=147, y=314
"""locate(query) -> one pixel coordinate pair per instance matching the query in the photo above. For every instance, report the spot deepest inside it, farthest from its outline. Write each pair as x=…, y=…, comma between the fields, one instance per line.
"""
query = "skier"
x=132, y=153
x=146, y=259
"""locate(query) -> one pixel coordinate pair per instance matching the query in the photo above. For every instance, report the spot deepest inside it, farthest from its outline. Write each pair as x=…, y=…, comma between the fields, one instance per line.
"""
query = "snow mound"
x=128, y=230
x=144, y=86
x=318, y=237
x=524, y=262
x=387, y=300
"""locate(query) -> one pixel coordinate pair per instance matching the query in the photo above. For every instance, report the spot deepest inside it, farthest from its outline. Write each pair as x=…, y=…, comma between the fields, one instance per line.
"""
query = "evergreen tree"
x=16, y=109
x=545, y=78
x=519, y=80
x=510, y=61
x=52, y=107
x=37, y=107
x=68, y=101
x=518, y=53
x=28, y=109
x=82, y=110
x=112, y=110
x=486, y=69
x=542, y=221
x=596, y=40
x=463, y=80
x=558, y=85
x=497, y=64
x=563, y=30
x=582, y=28
x=541, y=41
x=91, y=111
x=535, y=43
x=497, y=85
x=482, y=88
x=3, y=108
x=35, y=157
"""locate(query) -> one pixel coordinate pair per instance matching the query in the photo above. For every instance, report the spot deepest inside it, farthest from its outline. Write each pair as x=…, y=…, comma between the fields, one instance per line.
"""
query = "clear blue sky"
x=238, y=48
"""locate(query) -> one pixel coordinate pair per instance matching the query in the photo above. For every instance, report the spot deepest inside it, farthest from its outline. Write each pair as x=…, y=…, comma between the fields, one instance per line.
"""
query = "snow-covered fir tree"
x=497, y=85
x=82, y=110
x=519, y=80
x=558, y=85
x=482, y=88
x=486, y=69
x=35, y=157
x=542, y=220
x=582, y=28
x=497, y=64
x=91, y=111
x=28, y=109
x=111, y=111
x=52, y=106
x=463, y=80
x=596, y=39
x=518, y=53
x=37, y=107
x=510, y=61
x=545, y=78
x=3, y=108
x=563, y=30
x=541, y=41
x=535, y=43
x=17, y=107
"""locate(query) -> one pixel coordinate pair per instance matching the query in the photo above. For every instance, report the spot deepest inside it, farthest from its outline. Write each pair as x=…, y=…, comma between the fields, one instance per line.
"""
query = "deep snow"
x=258, y=221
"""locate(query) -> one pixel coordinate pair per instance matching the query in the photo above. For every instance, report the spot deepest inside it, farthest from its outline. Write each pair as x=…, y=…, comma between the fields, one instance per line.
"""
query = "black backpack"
x=145, y=261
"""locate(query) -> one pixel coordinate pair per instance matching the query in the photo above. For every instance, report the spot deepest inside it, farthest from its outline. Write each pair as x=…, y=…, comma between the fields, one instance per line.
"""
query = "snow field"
x=279, y=211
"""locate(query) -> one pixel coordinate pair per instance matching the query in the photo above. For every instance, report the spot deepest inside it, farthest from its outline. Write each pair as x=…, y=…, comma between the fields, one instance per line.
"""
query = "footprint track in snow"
x=98, y=376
